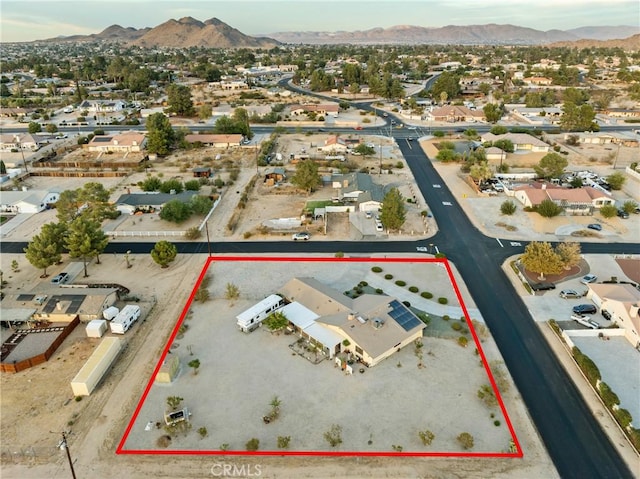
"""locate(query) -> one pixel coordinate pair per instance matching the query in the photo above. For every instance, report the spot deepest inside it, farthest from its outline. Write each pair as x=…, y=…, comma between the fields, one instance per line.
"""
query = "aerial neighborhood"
x=357, y=242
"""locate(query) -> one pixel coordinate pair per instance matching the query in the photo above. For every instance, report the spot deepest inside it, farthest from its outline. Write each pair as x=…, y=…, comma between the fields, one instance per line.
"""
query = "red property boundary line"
x=518, y=449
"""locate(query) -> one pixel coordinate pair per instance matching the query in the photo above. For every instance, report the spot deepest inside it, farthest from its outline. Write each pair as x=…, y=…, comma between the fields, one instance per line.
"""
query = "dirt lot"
x=97, y=422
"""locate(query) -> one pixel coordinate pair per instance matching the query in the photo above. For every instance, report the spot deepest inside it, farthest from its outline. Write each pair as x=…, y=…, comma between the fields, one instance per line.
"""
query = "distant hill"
x=213, y=33
x=627, y=44
x=455, y=34
x=183, y=33
x=189, y=32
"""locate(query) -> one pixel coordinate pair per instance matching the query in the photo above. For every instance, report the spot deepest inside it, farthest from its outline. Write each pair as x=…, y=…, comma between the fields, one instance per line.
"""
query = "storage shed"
x=96, y=328
x=96, y=366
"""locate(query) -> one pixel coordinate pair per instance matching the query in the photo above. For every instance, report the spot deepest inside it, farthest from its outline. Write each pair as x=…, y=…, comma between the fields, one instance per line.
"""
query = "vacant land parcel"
x=433, y=395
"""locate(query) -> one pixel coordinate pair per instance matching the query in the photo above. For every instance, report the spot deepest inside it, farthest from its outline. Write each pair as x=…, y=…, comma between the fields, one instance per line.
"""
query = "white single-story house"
x=358, y=188
x=371, y=327
x=124, y=142
x=521, y=141
x=18, y=141
x=30, y=201
x=102, y=106
x=334, y=144
x=622, y=301
x=573, y=200
x=329, y=109
x=454, y=113
x=606, y=138
x=152, y=201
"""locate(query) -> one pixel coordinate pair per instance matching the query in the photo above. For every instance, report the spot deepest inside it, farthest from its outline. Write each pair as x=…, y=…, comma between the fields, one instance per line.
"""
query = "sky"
x=27, y=20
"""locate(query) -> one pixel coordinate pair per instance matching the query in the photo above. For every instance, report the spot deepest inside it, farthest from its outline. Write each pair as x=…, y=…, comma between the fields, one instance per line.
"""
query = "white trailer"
x=96, y=328
x=110, y=313
x=96, y=366
x=125, y=318
x=251, y=318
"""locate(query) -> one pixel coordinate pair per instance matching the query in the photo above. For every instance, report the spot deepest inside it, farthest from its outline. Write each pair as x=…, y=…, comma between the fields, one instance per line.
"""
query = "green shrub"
x=388, y=276
x=446, y=317
x=608, y=211
x=443, y=300
x=252, y=444
x=508, y=207
x=456, y=326
x=608, y=396
x=376, y=269
x=401, y=283
x=378, y=291
x=623, y=417
x=363, y=284
x=496, y=423
x=463, y=341
x=588, y=367
x=548, y=209
x=407, y=304
x=413, y=289
x=426, y=295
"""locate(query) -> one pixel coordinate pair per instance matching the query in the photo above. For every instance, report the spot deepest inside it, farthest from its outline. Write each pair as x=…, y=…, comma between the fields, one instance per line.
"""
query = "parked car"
x=569, y=293
x=590, y=278
x=379, y=227
x=585, y=309
x=594, y=226
x=300, y=236
x=543, y=286
x=585, y=321
x=61, y=278
x=606, y=314
x=368, y=215
x=623, y=214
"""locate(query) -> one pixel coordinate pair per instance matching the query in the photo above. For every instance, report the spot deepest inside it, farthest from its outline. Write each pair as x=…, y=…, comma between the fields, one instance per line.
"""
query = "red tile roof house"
x=574, y=201
x=334, y=144
x=127, y=142
x=454, y=113
x=216, y=141
x=330, y=109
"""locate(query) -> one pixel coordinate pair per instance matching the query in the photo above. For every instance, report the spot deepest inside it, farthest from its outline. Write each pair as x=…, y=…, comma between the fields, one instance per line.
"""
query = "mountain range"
x=213, y=33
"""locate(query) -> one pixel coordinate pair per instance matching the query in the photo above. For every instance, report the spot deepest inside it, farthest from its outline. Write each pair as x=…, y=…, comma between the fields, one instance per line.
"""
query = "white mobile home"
x=96, y=366
x=125, y=318
x=110, y=313
x=251, y=318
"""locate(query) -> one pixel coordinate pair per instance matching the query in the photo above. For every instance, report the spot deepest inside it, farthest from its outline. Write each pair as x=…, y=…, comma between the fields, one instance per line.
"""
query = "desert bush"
x=252, y=444
x=334, y=435
x=401, y=283
x=426, y=295
x=508, y=207
x=426, y=437
x=456, y=326
x=463, y=341
x=443, y=300
x=376, y=269
x=193, y=233
x=465, y=440
x=388, y=276
x=413, y=289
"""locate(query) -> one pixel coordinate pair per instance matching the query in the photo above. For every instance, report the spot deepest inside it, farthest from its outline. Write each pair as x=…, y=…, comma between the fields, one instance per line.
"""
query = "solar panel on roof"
x=26, y=297
x=403, y=316
x=101, y=139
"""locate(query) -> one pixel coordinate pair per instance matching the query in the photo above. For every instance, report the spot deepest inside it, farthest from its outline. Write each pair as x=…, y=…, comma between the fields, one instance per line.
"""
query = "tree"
x=195, y=364
x=629, y=206
x=508, y=207
x=34, y=127
x=548, y=208
x=364, y=150
x=504, y=144
x=446, y=155
x=174, y=402
x=578, y=118
x=392, y=214
x=51, y=128
x=616, y=180
x=569, y=254
x=354, y=89
x=200, y=204
x=45, y=248
x=163, y=253
x=499, y=129
x=492, y=112
x=204, y=111
x=448, y=83
x=551, y=165
x=85, y=240
x=306, y=176
x=480, y=171
x=179, y=100
x=160, y=134
x=541, y=258
x=608, y=211
x=175, y=211
x=173, y=185
x=152, y=183
x=91, y=201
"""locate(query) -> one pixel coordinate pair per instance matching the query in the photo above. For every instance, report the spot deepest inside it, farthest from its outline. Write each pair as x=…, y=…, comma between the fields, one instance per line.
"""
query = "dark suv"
x=543, y=286
x=585, y=309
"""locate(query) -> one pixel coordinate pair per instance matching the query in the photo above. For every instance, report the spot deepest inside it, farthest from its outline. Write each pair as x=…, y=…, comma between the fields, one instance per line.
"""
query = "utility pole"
x=65, y=445
x=19, y=143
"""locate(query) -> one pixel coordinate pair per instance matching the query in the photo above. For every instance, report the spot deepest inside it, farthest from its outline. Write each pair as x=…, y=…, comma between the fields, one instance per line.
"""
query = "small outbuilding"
x=96, y=366
x=96, y=328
